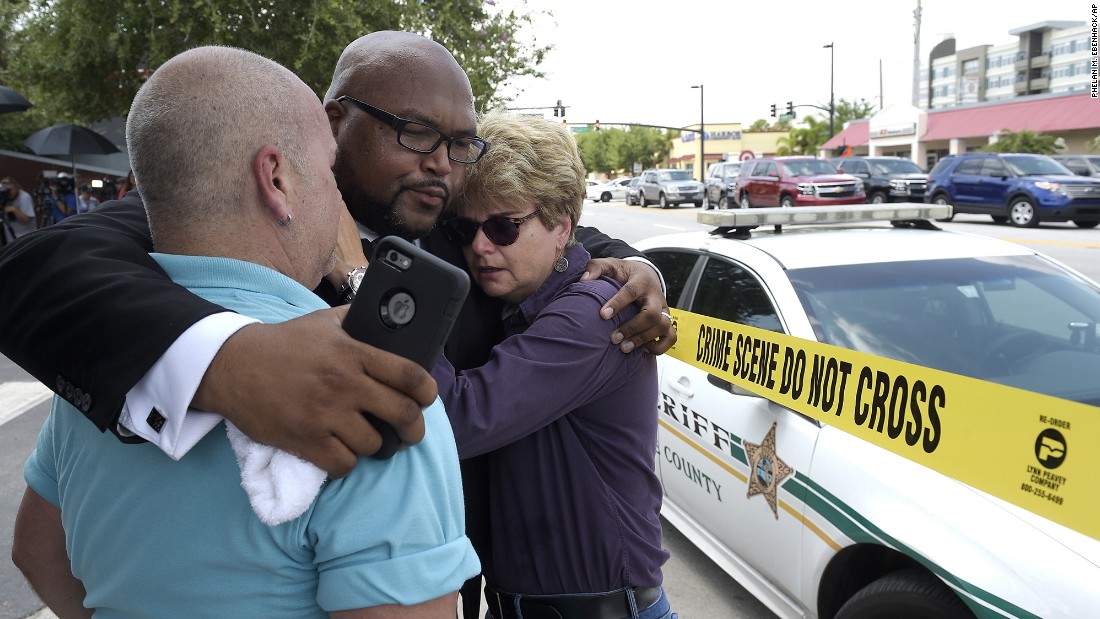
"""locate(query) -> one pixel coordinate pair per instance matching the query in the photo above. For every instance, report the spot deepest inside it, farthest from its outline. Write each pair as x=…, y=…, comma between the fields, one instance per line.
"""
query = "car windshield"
x=1019, y=321
x=895, y=166
x=674, y=175
x=1036, y=166
x=807, y=167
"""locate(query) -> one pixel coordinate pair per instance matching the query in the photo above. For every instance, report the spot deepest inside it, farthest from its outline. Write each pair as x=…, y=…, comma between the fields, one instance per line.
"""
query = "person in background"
x=85, y=201
x=61, y=197
x=19, y=216
x=574, y=501
x=179, y=539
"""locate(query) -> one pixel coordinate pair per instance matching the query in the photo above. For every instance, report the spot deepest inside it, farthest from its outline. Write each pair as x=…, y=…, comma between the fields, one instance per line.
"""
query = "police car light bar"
x=751, y=217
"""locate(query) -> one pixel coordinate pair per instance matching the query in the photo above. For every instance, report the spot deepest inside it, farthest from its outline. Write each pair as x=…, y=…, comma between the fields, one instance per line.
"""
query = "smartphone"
x=407, y=303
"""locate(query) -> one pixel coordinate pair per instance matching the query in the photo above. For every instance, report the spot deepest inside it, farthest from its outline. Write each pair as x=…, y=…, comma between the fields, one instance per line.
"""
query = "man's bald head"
x=195, y=124
x=385, y=55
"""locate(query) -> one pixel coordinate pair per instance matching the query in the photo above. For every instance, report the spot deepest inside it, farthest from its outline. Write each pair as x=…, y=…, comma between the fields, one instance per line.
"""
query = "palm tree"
x=804, y=140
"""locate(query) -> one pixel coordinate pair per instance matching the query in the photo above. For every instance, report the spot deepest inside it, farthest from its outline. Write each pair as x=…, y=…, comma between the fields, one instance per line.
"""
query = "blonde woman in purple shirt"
x=569, y=422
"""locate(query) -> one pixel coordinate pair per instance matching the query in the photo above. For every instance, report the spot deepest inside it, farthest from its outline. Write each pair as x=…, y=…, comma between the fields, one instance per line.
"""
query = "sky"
x=632, y=61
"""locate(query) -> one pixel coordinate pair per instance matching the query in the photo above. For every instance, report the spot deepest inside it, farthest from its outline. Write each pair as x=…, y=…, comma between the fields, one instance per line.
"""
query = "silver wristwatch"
x=351, y=285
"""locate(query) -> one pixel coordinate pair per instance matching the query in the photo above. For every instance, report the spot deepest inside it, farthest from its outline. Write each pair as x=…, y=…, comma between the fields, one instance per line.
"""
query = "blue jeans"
x=661, y=609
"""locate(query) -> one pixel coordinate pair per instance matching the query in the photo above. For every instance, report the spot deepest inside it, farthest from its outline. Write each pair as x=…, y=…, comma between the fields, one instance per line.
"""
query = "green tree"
x=805, y=140
x=759, y=124
x=83, y=60
x=599, y=150
x=1023, y=142
x=851, y=110
x=609, y=151
x=645, y=145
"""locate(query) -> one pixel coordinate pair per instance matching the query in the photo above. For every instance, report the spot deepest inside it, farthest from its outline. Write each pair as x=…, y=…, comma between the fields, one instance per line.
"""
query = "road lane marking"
x=17, y=398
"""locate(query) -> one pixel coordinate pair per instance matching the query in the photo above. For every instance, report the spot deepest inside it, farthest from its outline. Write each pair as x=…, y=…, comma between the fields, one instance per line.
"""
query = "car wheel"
x=786, y=202
x=697, y=204
x=941, y=199
x=724, y=203
x=663, y=201
x=999, y=219
x=1021, y=213
x=745, y=202
x=877, y=197
x=641, y=199
x=1086, y=224
x=605, y=196
x=905, y=594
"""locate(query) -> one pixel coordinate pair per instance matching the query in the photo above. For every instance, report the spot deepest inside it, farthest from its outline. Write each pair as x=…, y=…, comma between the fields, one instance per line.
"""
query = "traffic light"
x=597, y=125
x=558, y=109
x=790, y=109
x=773, y=110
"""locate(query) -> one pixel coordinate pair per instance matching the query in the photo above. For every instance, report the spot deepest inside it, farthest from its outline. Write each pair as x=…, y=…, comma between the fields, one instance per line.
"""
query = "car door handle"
x=682, y=386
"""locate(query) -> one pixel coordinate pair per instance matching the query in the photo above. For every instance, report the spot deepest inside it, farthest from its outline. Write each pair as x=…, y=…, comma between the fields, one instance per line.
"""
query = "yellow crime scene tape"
x=1035, y=451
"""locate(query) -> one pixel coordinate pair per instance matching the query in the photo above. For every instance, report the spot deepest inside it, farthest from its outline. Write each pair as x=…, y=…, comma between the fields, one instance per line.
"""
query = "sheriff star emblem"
x=766, y=470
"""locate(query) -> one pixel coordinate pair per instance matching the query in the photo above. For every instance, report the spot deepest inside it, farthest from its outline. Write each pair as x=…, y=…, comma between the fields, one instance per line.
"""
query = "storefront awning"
x=855, y=134
x=1047, y=115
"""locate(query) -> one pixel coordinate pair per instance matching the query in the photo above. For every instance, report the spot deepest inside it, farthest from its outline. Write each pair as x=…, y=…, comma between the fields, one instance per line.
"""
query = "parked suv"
x=669, y=187
x=795, y=181
x=887, y=179
x=1021, y=189
x=719, y=184
x=632, y=190
x=1081, y=165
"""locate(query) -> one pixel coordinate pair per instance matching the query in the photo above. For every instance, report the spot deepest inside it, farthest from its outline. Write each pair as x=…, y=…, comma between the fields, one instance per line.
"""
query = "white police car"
x=817, y=522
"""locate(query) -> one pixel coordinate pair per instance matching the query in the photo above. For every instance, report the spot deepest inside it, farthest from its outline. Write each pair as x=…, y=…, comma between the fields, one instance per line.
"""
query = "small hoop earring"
x=561, y=264
x=286, y=222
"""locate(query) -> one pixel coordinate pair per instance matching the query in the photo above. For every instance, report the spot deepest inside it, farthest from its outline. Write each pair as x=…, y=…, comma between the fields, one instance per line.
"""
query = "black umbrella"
x=11, y=101
x=71, y=140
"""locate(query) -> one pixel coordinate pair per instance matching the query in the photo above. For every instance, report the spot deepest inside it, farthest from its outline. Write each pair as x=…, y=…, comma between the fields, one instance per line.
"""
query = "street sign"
x=637, y=167
x=786, y=117
x=580, y=128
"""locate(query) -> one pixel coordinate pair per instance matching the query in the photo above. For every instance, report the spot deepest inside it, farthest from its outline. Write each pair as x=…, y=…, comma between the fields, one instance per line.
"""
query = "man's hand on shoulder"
x=652, y=327
x=302, y=385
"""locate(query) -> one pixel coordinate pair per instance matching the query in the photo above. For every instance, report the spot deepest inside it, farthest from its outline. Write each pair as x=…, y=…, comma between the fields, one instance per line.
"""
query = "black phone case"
x=407, y=303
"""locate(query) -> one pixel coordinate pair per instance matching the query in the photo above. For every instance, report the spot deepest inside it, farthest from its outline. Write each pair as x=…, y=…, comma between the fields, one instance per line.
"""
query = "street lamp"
x=832, y=106
x=702, y=134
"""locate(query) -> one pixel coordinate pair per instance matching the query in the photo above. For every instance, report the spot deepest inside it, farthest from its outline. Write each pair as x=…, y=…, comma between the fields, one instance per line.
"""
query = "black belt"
x=613, y=605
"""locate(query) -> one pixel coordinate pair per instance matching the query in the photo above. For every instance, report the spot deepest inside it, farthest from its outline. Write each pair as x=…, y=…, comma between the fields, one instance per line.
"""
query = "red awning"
x=1059, y=114
x=855, y=134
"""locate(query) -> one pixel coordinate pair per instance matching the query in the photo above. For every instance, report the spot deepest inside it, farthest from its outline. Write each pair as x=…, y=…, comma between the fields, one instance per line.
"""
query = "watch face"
x=355, y=279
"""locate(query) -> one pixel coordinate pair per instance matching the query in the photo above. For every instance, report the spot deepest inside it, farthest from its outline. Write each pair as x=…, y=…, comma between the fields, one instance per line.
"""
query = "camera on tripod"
x=50, y=181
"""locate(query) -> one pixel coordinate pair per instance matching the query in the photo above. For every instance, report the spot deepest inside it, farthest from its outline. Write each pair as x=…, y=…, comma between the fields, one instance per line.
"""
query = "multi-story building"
x=1042, y=81
x=1050, y=57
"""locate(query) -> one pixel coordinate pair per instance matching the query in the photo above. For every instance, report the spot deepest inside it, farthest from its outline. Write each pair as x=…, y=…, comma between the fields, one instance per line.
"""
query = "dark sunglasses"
x=423, y=138
x=502, y=231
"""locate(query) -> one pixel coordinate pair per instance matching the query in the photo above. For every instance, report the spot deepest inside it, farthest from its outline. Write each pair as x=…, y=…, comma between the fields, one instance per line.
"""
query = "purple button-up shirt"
x=570, y=423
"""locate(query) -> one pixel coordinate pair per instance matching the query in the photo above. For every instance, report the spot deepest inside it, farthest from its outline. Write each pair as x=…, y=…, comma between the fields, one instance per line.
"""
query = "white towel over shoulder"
x=280, y=486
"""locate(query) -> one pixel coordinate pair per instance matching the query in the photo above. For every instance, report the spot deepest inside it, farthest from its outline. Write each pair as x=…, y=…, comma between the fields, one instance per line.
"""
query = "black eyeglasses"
x=422, y=138
x=502, y=231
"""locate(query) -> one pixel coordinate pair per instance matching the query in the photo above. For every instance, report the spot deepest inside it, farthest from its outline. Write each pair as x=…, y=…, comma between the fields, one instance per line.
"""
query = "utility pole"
x=832, y=103
x=916, y=56
x=702, y=136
